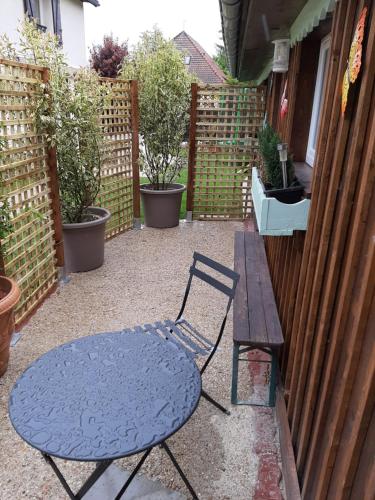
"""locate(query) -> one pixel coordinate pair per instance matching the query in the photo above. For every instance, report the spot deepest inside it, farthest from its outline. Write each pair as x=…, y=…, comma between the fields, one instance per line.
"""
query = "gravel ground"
x=142, y=280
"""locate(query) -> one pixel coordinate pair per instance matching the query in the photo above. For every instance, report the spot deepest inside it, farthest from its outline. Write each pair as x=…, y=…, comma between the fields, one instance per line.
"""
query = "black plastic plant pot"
x=162, y=206
x=290, y=195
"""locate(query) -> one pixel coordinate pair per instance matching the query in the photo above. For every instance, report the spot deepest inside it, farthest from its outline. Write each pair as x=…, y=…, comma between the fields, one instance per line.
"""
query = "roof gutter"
x=230, y=19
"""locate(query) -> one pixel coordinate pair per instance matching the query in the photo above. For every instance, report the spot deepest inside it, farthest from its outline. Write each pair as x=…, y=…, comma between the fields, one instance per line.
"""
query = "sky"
x=126, y=19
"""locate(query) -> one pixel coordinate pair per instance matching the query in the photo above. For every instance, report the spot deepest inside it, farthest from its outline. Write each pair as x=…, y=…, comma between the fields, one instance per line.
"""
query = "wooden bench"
x=256, y=322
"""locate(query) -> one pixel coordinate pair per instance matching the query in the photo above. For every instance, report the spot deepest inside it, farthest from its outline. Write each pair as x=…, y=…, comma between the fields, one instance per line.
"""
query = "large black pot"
x=84, y=242
x=162, y=206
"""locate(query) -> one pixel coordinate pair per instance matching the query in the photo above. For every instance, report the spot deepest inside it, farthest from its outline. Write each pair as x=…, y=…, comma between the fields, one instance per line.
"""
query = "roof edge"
x=95, y=3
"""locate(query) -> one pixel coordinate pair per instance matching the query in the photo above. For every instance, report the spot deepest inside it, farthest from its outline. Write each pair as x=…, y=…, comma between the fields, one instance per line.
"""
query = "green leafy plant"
x=6, y=227
x=268, y=141
x=164, y=99
x=66, y=111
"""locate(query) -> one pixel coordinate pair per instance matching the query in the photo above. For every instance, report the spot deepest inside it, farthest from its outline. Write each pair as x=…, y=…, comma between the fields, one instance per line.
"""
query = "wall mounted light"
x=281, y=55
x=283, y=155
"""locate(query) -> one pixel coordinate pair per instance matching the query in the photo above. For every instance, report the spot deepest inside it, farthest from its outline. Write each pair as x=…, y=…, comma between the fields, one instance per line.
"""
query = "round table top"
x=105, y=396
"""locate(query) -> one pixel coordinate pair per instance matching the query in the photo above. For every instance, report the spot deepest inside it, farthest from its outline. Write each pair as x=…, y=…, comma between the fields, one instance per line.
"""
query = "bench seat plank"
x=255, y=317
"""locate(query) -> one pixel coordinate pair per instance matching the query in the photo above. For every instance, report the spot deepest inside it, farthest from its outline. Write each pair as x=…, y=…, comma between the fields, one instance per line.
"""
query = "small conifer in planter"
x=272, y=170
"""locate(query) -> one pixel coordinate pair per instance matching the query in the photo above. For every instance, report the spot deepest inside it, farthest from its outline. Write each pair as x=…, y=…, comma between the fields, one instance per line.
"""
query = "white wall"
x=73, y=27
x=72, y=20
x=11, y=12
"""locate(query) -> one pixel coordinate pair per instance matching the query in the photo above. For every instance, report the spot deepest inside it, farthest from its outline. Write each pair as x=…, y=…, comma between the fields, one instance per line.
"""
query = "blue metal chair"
x=184, y=333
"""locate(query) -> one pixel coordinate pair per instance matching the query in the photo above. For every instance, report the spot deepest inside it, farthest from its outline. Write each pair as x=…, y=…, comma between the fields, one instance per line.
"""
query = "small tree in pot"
x=66, y=112
x=272, y=170
x=9, y=291
x=164, y=98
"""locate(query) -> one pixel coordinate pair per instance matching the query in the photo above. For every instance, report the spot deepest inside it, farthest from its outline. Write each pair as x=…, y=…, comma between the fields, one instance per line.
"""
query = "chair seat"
x=180, y=332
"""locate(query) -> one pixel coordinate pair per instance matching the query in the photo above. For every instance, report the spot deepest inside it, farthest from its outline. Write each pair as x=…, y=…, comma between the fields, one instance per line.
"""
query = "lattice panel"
x=30, y=254
x=117, y=178
x=227, y=122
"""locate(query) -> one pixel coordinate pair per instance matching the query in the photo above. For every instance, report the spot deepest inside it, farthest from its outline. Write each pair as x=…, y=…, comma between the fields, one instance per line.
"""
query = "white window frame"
x=318, y=99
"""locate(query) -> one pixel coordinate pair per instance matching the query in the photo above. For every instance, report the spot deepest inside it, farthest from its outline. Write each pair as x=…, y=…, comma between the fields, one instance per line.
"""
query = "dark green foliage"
x=268, y=141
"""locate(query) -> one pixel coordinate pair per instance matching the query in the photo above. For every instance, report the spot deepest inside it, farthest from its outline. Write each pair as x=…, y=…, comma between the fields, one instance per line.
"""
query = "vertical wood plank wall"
x=324, y=279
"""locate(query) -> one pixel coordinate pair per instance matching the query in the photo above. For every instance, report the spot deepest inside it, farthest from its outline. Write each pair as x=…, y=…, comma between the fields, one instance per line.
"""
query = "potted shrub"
x=66, y=111
x=9, y=291
x=273, y=175
x=164, y=98
x=79, y=144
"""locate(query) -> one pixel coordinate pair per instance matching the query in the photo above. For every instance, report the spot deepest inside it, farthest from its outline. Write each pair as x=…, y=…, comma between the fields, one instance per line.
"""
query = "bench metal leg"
x=235, y=361
x=272, y=393
x=237, y=351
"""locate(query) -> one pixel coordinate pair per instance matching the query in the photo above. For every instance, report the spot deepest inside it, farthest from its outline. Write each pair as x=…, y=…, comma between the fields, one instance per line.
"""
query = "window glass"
x=318, y=100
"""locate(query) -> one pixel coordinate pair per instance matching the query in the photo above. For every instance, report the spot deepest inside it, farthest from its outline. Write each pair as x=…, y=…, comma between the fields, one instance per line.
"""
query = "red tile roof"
x=201, y=64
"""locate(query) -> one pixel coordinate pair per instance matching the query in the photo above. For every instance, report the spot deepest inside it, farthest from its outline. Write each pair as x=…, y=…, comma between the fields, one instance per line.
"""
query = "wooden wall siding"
x=117, y=178
x=30, y=253
x=223, y=148
x=325, y=283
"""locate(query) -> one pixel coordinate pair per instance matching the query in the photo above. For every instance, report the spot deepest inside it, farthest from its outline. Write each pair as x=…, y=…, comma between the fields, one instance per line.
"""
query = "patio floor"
x=143, y=279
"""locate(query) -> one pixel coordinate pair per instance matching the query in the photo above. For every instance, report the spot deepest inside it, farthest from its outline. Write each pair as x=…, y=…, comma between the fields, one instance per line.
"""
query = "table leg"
x=133, y=474
x=183, y=477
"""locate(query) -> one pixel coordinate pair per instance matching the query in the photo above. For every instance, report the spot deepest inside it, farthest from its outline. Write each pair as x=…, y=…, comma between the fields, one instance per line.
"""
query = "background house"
x=197, y=61
x=65, y=18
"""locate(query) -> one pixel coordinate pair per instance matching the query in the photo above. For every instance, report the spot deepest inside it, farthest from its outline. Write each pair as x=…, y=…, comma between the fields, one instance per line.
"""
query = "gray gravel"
x=142, y=280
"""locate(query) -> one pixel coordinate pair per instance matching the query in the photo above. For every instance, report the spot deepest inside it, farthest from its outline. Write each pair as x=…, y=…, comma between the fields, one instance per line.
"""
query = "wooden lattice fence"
x=25, y=170
x=120, y=130
x=223, y=146
x=28, y=169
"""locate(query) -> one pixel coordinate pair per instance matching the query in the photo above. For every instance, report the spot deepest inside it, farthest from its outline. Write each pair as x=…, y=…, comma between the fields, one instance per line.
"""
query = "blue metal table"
x=105, y=397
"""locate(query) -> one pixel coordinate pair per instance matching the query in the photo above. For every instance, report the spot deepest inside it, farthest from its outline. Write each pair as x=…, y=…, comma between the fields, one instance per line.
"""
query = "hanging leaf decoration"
x=355, y=59
x=355, y=56
x=345, y=91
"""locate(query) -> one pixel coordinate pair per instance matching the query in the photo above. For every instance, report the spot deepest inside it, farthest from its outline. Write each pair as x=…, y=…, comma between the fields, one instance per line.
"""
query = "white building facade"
x=65, y=18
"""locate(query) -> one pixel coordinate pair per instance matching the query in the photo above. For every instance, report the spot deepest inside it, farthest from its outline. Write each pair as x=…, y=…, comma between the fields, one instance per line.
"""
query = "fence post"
x=135, y=152
x=192, y=152
x=55, y=196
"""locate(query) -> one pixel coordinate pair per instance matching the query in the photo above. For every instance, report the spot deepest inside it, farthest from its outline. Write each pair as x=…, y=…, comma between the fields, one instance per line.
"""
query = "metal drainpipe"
x=230, y=12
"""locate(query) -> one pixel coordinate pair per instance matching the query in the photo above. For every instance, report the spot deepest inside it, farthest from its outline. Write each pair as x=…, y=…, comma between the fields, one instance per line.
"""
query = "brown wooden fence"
x=25, y=170
x=120, y=162
x=325, y=284
x=28, y=169
x=223, y=146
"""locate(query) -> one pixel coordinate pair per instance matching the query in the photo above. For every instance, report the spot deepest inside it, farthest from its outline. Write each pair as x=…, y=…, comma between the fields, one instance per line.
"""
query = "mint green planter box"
x=273, y=217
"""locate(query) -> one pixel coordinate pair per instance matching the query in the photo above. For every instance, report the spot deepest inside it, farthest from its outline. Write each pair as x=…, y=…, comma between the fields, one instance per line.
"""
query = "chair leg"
x=215, y=403
x=235, y=360
x=272, y=393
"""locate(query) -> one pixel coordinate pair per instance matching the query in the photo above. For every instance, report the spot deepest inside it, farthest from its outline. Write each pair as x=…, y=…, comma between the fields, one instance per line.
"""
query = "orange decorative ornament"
x=355, y=55
x=355, y=59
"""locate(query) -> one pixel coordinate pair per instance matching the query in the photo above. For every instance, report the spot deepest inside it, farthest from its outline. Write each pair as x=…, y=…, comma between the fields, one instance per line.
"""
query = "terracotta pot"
x=84, y=242
x=162, y=207
x=7, y=305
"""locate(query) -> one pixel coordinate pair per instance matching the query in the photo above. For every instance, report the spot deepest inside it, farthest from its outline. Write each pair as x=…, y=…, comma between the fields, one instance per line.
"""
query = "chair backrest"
x=233, y=276
x=229, y=291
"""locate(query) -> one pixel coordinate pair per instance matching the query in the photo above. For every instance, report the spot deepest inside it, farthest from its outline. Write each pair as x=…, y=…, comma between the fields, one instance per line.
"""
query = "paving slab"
x=142, y=488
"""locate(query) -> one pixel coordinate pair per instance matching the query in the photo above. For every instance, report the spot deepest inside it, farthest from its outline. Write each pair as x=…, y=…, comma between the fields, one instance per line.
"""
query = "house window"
x=318, y=100
x=187, y=60
x=32, y=9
